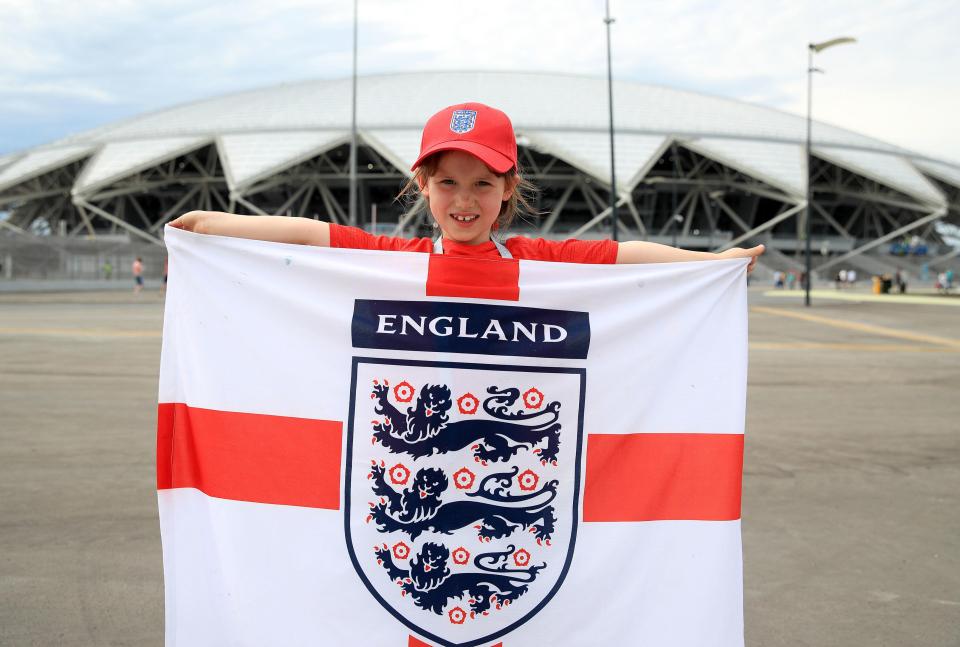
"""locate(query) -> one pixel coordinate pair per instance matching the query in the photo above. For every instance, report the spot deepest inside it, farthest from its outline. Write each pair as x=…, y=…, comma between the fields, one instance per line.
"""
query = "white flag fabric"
x=387, y=449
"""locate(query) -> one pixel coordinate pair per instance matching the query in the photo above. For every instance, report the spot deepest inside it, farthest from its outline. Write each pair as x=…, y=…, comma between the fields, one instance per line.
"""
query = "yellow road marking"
x=872, y=348
x=840, y=295
x=862, y=327
x=78, y=332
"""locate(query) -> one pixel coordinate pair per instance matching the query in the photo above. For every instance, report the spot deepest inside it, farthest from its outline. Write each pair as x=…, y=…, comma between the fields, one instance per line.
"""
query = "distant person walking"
x=137, y=269
x=107, y=270
x=852, y=277
x=901, y=282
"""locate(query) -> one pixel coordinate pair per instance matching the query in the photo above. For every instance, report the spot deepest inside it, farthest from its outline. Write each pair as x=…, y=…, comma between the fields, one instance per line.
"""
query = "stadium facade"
x=699, y=171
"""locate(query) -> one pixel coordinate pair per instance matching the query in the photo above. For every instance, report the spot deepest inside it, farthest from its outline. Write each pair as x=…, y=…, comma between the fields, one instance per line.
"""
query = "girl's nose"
x=464, y=198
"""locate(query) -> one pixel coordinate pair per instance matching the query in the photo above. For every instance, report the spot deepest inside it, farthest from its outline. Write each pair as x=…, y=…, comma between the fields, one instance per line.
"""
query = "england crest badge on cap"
x=463, y=121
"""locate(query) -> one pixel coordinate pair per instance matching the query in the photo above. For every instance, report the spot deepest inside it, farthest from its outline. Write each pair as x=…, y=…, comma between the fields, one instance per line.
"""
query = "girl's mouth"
x=464, y=218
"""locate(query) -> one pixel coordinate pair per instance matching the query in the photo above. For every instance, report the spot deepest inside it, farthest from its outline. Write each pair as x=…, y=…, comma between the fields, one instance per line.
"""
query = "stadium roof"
x=262, y=132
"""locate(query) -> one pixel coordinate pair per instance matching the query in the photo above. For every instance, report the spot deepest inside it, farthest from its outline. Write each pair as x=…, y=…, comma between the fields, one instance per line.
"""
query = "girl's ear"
x=422, y=183
x=509, y=187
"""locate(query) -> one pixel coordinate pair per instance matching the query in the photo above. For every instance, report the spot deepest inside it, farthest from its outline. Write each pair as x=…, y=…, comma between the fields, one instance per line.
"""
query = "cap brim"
x=497, y=162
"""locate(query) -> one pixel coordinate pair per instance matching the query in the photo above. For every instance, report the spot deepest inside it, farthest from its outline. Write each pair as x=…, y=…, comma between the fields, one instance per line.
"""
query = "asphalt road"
x=851, y=518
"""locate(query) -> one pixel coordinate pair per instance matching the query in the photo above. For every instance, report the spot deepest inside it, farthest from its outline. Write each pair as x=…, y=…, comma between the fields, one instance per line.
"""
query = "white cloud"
x=898, y=83
x=33, y=93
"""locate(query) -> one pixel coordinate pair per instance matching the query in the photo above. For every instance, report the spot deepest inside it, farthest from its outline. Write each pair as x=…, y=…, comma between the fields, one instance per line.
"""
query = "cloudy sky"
x=68, y=66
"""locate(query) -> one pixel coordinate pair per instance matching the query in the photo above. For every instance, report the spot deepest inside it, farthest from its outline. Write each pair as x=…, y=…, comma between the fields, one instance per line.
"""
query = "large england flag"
x=386, y=449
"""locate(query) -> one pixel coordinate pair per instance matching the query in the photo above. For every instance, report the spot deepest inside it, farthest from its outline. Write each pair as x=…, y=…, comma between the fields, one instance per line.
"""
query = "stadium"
x=698, y=171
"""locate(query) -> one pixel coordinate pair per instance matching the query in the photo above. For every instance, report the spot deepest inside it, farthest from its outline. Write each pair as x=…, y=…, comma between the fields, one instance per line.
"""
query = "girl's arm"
x=639, y=251
x=278, y=229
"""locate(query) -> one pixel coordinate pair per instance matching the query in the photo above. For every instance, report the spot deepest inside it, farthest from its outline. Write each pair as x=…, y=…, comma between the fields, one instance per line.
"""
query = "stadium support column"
x=613, y=175
x=80, y=203
x=769, y=224
x=933, y=216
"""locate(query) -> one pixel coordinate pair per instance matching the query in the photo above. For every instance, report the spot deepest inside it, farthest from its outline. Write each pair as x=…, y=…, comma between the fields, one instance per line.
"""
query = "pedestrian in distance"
x=468, y=175
x=137, y=269
x=901, y=282
x=948, y=280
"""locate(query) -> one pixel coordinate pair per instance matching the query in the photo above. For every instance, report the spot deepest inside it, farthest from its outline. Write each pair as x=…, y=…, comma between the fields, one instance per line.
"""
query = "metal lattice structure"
x=698, y=171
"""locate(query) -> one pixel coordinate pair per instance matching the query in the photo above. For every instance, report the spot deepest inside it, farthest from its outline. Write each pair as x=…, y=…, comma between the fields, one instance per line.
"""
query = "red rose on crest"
x=457, y=615
x=528, y=480
x=403, y=392
x=467, y=403
x=533, y=398
x=401, y=550
x=463, y=478
x=399, y=474
x=461, y=556
x=521, y=557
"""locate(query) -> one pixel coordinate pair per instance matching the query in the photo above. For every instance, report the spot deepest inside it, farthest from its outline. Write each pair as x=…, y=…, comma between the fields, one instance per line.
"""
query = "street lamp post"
x=613, y=176
x=353, y=126
x=813, y=48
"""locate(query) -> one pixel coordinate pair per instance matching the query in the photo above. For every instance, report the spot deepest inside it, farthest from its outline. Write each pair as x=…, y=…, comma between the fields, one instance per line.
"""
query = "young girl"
x=467, y=172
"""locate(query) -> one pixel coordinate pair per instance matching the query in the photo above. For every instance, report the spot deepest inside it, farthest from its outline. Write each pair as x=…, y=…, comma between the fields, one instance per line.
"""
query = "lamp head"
x=816, y=48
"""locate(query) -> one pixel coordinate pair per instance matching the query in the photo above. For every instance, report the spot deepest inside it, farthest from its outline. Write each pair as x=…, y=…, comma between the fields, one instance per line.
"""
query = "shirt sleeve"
x=564, y=251
x=354, y=238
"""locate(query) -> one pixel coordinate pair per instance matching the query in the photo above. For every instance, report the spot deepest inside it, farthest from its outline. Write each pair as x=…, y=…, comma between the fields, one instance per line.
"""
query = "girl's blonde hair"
x=519, y=204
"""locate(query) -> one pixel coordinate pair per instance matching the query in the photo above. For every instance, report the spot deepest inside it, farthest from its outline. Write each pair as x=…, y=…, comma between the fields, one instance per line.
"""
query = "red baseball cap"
x=474, y=128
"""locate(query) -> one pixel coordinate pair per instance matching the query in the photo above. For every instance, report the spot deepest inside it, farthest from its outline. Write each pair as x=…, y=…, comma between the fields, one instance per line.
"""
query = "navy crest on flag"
x=463, y=121
x=461, y=491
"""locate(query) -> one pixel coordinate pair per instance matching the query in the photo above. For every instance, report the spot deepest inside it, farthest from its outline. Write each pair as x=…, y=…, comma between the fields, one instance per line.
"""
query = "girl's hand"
x=195, y=221
x=752, y=253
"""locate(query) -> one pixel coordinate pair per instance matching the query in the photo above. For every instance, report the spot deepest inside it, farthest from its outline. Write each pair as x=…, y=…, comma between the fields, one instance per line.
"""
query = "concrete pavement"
x=851, y=518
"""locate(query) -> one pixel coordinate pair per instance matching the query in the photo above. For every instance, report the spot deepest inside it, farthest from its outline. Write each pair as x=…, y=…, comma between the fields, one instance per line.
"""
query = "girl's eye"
x=447, y=181
x=483, y=183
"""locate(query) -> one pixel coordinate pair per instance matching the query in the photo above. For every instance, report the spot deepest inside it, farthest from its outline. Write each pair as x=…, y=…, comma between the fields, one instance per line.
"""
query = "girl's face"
x=465, y=197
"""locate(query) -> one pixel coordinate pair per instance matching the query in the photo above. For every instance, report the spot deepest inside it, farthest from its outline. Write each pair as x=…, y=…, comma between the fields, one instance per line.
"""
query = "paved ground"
x=851, y=519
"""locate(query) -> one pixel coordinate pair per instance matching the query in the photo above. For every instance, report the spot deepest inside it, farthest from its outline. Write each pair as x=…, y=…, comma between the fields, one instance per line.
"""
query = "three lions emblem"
x=461, y=491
